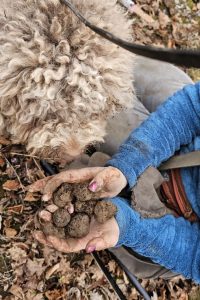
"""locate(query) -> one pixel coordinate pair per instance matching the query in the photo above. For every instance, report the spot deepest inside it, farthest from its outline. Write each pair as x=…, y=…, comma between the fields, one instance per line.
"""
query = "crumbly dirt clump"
x=85, y=205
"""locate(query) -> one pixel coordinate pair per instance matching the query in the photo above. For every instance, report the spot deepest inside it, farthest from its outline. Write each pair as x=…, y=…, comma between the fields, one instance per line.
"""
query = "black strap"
x=186, y=58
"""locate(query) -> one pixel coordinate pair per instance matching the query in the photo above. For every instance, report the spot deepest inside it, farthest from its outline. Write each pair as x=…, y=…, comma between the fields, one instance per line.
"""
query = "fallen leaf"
x=54, y=295
x=4, y=141
x=35, y=266
x=2, y=162
x=11, y=185
x=17, y=209
x=136, y=9
x=164, y=20
x=30, y=197
x=17, y=292
x=10, y=232
x=52, y=270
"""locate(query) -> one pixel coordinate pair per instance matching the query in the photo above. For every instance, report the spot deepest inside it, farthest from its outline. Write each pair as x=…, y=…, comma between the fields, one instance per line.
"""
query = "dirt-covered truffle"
x=73, y=207
x=49, y=229
x=63, y=195
x=104, y=210
x=82, y=193
x=85, y=207
x=79, y=226
x=61, y=217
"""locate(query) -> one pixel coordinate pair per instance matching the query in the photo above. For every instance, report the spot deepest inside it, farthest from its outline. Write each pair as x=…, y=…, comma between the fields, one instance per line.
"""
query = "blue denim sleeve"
x=171, y=242
x=176, y=122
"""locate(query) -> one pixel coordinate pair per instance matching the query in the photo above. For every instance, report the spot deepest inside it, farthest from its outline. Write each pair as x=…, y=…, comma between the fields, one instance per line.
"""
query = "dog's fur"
x=59, y=81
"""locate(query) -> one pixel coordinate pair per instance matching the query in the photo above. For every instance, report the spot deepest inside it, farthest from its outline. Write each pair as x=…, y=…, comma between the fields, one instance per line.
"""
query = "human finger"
x=71, y=176
x=68, y=246
x=40, y=237
x=96, y=244
x=110, y=180
x=104, y=236
x=39, y=185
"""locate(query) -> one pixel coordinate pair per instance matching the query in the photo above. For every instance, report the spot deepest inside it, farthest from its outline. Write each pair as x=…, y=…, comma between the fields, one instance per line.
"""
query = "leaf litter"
x=31, y=271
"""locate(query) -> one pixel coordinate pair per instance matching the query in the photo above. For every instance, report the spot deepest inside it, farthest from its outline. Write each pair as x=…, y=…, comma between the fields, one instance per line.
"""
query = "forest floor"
x=30, y=271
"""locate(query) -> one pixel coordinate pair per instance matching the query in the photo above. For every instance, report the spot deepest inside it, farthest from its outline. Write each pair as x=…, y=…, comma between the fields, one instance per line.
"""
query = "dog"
x=59, y=81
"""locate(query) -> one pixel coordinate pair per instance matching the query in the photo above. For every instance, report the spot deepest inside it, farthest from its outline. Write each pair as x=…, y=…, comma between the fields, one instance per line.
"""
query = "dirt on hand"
x=86, y=204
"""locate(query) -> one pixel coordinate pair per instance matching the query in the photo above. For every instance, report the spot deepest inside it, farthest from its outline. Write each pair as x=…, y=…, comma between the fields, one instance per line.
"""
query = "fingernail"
x=93, y=186
x=90, y=249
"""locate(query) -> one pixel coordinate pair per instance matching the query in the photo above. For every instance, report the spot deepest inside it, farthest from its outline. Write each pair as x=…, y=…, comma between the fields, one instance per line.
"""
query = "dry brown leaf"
x=30, y=197
x=34, y=295
x=10, y=232
x=164, y=20
x=17, y=254
x=112, y=266
x=54, y=295
x=4, y=141
x=2, y=162
x=11, y=185
x=144, y=16
x=17, y=209
x=17, y=292
x=52, y=270
x=35, y=266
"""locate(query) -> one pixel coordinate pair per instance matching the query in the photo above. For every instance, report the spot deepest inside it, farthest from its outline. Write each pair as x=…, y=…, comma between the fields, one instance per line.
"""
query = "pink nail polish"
x=91, y=249
x=93, y=186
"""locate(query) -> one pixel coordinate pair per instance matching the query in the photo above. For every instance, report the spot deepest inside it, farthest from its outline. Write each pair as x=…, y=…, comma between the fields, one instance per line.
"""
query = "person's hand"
x=101, y=236
x=107, y=181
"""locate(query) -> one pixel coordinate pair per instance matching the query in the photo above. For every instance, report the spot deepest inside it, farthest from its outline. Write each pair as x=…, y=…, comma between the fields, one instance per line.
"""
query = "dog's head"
x=59, y=81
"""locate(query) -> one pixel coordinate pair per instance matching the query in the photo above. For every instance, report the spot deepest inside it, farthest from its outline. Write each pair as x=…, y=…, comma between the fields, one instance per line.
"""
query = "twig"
x=22, y=186
x=28, y=155
x=22, y=154
x=37, y=165
x=139, y=12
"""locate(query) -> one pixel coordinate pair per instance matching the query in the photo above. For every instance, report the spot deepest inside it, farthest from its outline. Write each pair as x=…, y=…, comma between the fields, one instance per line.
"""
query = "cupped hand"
x=100, y=237
x=107, y=181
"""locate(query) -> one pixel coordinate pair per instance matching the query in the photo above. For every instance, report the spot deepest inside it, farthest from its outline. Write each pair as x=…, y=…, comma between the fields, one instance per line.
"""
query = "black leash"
x=185, y=58
x=131, y=278
x=51, y=170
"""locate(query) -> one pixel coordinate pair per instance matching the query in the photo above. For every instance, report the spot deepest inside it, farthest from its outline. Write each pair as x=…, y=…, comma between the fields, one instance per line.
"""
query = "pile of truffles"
x=86, y=204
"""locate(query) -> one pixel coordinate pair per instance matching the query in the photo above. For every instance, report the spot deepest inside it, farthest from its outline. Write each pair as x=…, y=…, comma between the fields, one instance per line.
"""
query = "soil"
x=86, y=204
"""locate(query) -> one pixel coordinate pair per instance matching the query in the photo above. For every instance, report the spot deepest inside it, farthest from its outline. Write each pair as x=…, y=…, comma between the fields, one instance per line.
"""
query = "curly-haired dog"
x=59, y=81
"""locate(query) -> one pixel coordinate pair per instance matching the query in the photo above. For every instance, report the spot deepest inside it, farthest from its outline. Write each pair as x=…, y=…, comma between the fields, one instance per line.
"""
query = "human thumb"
x=96, y=244
x=96, y=184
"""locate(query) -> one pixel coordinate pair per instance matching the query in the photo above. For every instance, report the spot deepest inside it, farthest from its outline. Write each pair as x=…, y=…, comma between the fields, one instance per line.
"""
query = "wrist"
x=127, y=219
